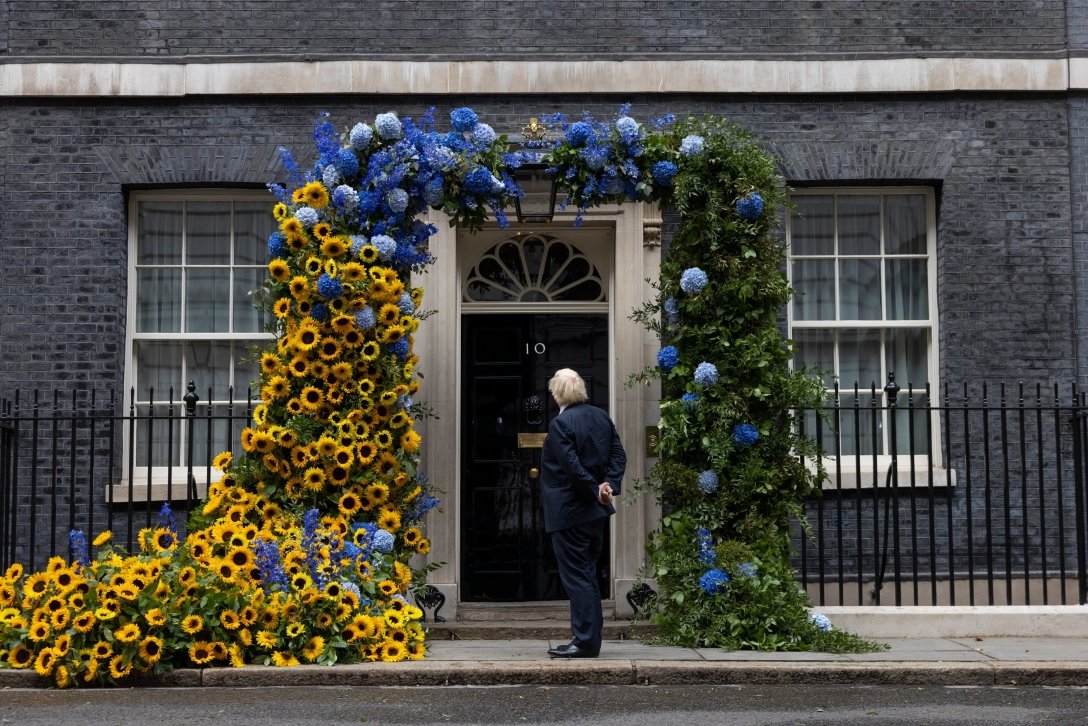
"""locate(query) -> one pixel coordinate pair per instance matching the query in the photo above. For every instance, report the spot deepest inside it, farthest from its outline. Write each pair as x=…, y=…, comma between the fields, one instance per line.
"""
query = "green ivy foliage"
x=732, y=323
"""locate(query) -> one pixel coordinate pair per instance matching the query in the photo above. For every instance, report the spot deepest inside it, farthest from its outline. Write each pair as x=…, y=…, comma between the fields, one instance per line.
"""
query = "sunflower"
x=323, y=230
x=295, y=629
x=377, y=493
x=267, y=639
x=278, y=270
x=311, y=398
x=393, y=618
x=423, y=547
x=200, y=652
x=387, y=587
x=20, y=656
x=349, y=504
x=299, y=287
x=226, y=570
x=313, y=479
x=102, y=650
x=370, y=350
x=282, y=660
x=389, y=520
x=241, y=557
x=410, y=441
x=313, y=265
x=416, y=650
x=398, y=420
x=388, y=314
x=412, y=535
x=35, y=585
x=291, y=227
x=237, y=660
x=60, y=619
x=84, y=622
x=308, y=335
x=277, y=387
x=128, y=633
x=282, y=307
x=392, y=334
x=366, y=451
x=337, y=475
x=368, y=253
x=39, y=631
x=192, y=624
x=45, y=661
x=333, y=247
x=341, y=371
x=392, y=652
x=151, y=649
x=329, y=349
x=314, y=649
x=315, y=195
x=343, y=455
x=384, y=439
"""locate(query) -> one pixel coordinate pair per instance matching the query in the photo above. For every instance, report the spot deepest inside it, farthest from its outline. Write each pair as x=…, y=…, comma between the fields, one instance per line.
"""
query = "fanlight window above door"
x=534, y=268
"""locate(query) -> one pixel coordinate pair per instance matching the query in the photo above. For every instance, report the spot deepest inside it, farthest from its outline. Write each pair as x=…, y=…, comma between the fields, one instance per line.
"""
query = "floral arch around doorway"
x=301, y=551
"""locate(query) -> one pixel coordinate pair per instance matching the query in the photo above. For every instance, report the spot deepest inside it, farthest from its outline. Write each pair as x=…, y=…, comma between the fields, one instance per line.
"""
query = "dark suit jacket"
x=582, y=450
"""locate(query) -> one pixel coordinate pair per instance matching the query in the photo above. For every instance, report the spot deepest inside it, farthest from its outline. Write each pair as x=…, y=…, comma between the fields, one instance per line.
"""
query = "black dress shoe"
x=572, y=651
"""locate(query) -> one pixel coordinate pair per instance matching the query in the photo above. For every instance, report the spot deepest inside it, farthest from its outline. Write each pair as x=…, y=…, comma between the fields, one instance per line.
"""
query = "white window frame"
x=170, y=481
x=866, y=470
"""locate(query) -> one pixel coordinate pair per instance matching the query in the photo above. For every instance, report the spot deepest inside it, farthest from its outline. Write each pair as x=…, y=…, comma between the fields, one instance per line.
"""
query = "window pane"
x=905, y=224
x=158, y=300
x=246, y=369
x=247, y=319
x=859, y=225
x=207, y=363
x=907, y=352
x=207, y=300
x=814, y=281
x=159, y=241
x=815, y=349
x=158, y=438
x=812, y=229
x=208, y=233
x=908, y=291
x=859, y=358
x=859, y=289
x=158, y=366
x=861, y=425
x=908, y=442
x=252, y=225
x=225, y=424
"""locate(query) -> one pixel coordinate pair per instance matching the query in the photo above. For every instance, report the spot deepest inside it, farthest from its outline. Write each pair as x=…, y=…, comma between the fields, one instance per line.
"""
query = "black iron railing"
x=81, y=460
x=975, y=498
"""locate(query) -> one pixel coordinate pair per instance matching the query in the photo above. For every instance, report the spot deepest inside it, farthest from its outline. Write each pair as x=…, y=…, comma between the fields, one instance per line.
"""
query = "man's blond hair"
x=567, y=387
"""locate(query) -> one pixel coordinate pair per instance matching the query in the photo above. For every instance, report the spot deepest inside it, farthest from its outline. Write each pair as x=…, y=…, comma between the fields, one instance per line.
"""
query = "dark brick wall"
x=1006, y=292
x=616, y=27
x=1076, y=13
x=1078, y=197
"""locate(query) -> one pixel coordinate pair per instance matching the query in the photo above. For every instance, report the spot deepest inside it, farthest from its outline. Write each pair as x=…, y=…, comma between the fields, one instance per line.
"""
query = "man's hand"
x=604, y=493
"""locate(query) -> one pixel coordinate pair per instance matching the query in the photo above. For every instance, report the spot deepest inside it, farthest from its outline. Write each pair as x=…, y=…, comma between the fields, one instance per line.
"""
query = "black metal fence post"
x=190, y=424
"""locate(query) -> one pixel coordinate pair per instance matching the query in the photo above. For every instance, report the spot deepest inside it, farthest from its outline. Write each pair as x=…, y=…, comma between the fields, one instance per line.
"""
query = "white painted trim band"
x=900, y=75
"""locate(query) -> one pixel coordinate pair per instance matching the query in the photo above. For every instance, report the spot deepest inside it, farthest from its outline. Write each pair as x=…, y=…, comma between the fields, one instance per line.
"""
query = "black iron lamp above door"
x=537, y=205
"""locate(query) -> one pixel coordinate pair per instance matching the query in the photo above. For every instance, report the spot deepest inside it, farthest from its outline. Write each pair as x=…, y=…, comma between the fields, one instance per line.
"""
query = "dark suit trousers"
x=576, y=552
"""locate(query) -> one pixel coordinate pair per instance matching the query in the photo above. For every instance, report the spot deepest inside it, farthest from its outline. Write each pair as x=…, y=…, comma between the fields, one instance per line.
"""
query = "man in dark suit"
x=581, y=468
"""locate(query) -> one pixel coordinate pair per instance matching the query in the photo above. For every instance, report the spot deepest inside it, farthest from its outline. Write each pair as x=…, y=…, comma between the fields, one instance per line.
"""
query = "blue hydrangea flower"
x=463, y=119
x=307, y=216
x=319, y=312
x=691, y=145
x=330, y=177
x=595, y=157
x=399, y=348
x=628, y=129
x=690, y=401
x=360, y=136
x=348, y=586
x=713, y=581
x=706, y=374
x=432, y=191
x=663, y=172
x=750, y=206
x=820, y=621
x=483, y=135
x=77, y=546
x=277, y=245
x=745, y=434
x=358, y=242
x=747, y=569
x=405, y=304
x=385, y=245
x=708, y=482
x=579, y=133
x=345, y=198
x=693, y=280
x=482, y=181
x=667, y=358
x=443, y=159
x=388, y=126
x=397, y=199
x=329, y=287
x=365, y=318
x=347, y=163
x=672, y=309
x=405, y=402
x=383, y=542
x=707, y=555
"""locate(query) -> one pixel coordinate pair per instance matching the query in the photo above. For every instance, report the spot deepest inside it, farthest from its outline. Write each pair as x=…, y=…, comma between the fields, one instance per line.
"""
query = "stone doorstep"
x=530, y=630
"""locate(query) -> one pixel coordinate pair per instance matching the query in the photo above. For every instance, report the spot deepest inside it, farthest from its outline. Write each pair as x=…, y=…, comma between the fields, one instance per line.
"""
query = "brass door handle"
x=534, y=473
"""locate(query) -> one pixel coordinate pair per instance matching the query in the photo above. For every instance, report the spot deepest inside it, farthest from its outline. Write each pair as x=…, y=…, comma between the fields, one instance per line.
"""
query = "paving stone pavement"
x=914, y=661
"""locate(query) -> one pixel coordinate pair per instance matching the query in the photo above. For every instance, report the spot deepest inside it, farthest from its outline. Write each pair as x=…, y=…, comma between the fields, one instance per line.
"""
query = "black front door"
x=506, y=363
